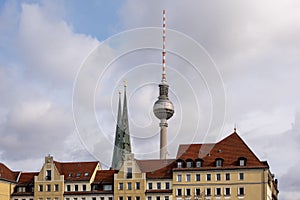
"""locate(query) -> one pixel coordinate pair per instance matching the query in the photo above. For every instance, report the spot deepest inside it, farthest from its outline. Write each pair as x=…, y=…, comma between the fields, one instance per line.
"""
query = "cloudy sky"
x=52, y=71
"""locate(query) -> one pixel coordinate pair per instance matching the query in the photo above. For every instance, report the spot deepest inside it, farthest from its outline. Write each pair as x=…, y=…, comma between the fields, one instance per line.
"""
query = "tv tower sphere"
x=163, y=108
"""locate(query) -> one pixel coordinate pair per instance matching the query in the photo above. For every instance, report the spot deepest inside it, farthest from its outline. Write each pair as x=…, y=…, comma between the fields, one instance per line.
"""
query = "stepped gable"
x=157, y=169
x=76, y=171
x=105, y=176
x=7, y=174
x=230, y=149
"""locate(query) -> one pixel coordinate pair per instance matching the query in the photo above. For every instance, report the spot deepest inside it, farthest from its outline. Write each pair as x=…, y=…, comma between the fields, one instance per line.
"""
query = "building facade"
x=224, y=170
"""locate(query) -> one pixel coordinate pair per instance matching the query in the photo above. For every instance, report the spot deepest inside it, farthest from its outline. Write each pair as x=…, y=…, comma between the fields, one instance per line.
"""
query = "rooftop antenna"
x=164, y=78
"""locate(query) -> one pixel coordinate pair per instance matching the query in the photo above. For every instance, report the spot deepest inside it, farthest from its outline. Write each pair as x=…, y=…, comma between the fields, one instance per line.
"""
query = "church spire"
x=122, y=137
x=117, y=155
x=125, y=125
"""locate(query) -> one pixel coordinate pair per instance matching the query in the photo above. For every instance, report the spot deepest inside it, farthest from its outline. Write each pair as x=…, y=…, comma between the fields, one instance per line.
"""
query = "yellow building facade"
x=130, y=181
x=49, y=184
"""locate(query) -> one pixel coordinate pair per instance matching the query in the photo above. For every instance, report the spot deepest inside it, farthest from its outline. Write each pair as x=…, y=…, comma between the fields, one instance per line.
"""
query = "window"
x=198, y=177
x=93, y=198
x=227, y=177
x=50, y=198
x=218, y=177
x=78, y=174
x=241, y=176
x=120, y=198
x=179, y=178
x=188, y=192
x=179, y=164
x=219, y=162
x=137, y=198
x=158, y=185
x=41, y=188
x=166, y=197
x=167, y=185
x=197, y=192
x=149, y=198
x=179, y=192
x=21, y=189
x=129, y=186
x=71, y=174
x=242, y=161
x=76, y=187
x=110, y=198
x=101, y=198
x=208, y=177
x=107, y=187
x=188, y=178
x=86, y=174
x=218, y=191
x=158, y=198
x=56, y=187
x=189, y=164
x=83, y=198
x=241, y=191
x=83, y=187
x=198, y=163
x=150, y=186
x=208, y=192
x=227, y=191
x=68, y=188
x=120, y=186
x=48, y=175
x=128, y=198
x=137, y=185
x=129, y=172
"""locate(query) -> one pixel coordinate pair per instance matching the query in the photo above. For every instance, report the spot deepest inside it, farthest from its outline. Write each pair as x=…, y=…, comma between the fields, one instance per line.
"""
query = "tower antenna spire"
x=164, y=52
x=163, y=108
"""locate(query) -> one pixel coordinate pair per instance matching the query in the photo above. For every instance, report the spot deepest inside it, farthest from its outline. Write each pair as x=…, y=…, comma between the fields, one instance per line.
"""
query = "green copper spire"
x=125, y=126
x=122, y=137
x=117, y=156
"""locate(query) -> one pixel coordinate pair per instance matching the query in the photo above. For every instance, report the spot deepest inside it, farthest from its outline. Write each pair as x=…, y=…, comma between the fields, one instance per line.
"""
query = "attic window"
x=242, y=161
x=86, y=174
x=78, y=174
x=198, y=163
x=189, y=164
x=70, y=174
x=219, y=162
x=179, y=164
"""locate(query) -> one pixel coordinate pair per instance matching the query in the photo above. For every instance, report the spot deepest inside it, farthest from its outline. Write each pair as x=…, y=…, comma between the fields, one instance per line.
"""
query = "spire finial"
x=164, y=78
x=125, y=83
x=234, y=129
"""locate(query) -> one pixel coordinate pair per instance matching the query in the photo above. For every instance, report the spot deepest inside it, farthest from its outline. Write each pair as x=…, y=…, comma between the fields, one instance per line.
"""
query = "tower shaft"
x=163, y=139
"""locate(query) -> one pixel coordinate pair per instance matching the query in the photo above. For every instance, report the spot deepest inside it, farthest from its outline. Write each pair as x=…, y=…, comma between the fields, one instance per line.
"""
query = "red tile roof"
x=230, y=149
x=76, y=171
x=157, y=169
x=27, y=178
x=105, y=176
x=7, y=174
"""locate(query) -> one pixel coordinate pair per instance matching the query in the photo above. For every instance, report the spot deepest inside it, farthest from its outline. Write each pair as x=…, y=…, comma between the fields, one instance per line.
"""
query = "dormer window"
x=219, y=162
x=242, y=161
x=179, y=164
x=86, y=174
x=78, y=174
x=198, y=163
x=70, y=174
x=189, y=164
